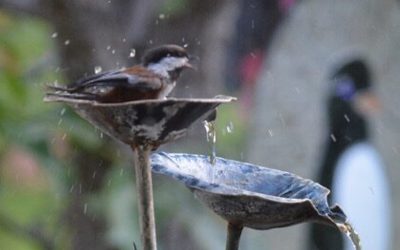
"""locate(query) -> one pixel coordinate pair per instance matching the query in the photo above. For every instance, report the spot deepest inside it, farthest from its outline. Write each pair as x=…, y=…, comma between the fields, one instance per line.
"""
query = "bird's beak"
x=192, y=61
x=368, y=103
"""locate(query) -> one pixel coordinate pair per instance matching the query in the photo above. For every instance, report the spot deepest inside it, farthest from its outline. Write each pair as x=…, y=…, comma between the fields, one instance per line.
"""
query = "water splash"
x=211, y=138
x=348, y=229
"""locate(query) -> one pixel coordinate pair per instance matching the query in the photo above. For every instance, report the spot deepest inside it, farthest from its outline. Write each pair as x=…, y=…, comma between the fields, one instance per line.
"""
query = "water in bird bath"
x=211, y=138
x=348, y=229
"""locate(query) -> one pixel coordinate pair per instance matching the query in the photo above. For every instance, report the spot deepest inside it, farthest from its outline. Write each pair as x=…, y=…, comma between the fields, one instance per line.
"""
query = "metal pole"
x=144, y=188
x=233, y=237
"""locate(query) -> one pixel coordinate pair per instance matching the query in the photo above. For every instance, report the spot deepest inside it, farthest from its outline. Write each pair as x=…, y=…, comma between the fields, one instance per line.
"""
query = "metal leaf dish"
x=149, y=122
x=249, y=195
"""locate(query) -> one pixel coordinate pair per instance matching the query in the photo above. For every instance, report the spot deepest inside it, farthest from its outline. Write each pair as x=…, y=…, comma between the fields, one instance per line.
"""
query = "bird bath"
x=247, y=195
x=143, y=125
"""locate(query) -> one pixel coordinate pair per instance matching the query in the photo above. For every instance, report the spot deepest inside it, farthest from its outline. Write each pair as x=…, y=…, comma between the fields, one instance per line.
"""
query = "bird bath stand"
x=247, y=195
x=143, y=125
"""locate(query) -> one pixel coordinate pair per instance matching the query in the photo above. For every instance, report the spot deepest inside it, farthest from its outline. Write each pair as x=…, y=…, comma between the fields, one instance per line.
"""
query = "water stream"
x=211, y=138
x=348, y=229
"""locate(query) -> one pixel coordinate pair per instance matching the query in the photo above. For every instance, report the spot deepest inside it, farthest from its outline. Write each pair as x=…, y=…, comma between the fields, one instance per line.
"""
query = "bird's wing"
x=134, y=77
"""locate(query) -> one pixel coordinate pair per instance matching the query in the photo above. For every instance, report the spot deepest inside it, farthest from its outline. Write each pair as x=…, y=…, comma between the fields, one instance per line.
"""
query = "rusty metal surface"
x=253, y=196
x=151, y=122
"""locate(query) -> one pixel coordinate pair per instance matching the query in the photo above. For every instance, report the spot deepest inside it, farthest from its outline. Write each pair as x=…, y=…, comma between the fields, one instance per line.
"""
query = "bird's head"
x=352, y=84
x=167, y=60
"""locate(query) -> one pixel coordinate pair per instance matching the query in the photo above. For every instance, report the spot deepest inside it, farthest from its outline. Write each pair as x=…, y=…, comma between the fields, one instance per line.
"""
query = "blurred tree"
x=89, y=33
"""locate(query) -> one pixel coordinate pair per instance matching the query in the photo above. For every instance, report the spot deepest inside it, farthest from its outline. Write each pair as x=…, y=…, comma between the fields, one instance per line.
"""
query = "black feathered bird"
x=351, y=167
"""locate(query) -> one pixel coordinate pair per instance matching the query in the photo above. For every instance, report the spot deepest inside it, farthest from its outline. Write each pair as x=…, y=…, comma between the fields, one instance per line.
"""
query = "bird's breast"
x=166, y=89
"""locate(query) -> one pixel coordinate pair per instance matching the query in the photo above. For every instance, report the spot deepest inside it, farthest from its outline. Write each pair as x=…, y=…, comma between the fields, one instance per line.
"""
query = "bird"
x=154, y=78
x=351, y=167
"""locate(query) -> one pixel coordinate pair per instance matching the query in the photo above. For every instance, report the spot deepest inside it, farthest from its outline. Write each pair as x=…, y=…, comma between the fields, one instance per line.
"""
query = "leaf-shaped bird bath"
x=143, y=125
x=247, y=195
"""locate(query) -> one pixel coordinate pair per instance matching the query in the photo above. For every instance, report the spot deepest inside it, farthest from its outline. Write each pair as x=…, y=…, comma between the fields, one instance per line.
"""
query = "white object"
x=361, y=188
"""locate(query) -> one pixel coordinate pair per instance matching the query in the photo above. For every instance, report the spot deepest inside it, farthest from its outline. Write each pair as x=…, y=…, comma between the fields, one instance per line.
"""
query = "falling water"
x=211, y=138
x=351, y=233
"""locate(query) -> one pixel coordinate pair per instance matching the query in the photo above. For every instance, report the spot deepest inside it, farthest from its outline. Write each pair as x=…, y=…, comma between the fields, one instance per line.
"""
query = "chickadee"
x=153, y=79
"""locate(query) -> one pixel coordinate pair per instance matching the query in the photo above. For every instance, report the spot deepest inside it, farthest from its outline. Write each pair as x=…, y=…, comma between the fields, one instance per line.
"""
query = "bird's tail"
x=53, y=88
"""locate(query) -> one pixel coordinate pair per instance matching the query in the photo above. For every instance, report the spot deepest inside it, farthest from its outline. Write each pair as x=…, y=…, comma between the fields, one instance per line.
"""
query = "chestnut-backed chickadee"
x=153, y=79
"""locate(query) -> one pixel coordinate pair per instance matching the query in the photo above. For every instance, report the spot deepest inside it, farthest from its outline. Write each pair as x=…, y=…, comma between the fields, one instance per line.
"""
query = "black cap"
x=351, y=77
x=156, y=54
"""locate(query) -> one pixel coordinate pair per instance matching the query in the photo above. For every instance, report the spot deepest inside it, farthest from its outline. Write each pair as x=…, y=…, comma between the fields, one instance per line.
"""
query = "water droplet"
x=64, y=136
x=230, y=127
x=113, y=51
x=97, y=69
x=132, y=53
x=333, y=137
x=124, y=40
x=101, y=135
x=108, y=47
x=62, y=112
x=161, y=16
x=85, y=208
x=270, y=133
x=54, y=35
x=186, y=45
x=150, y=41
x=121, y=172
x=60, y=121
x=67, y=42
x=346, y=117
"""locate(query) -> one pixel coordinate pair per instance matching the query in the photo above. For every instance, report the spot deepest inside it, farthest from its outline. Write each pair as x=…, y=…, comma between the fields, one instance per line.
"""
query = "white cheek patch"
x=168, y=64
